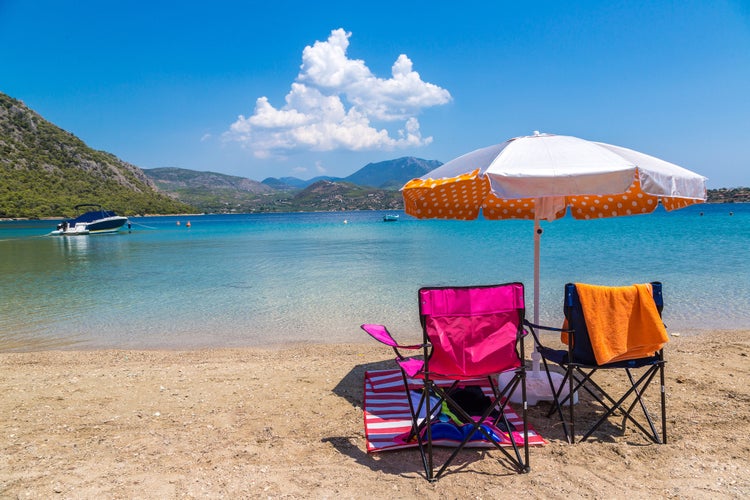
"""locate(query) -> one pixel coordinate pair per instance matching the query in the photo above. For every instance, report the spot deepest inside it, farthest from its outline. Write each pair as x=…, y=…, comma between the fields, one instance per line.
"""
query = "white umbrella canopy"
x=541, y=176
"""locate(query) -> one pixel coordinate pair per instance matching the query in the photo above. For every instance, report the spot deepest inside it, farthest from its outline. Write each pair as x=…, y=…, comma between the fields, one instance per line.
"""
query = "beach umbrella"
x=543, y=177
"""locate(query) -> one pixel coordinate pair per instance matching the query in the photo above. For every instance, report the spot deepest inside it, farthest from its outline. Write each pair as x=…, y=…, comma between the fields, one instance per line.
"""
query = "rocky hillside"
x=373, y=187
x=175, y=179
x=218, y=193
x=46, y=171
x=338, y=195
x=212, y=192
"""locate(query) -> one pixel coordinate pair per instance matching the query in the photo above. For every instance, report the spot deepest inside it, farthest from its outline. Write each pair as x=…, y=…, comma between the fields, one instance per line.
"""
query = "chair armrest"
x=565, y=333
x=548, y=328
x=381, y=334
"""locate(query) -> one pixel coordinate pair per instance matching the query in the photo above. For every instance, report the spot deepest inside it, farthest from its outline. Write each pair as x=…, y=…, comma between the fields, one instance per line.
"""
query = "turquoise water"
x=257, y=280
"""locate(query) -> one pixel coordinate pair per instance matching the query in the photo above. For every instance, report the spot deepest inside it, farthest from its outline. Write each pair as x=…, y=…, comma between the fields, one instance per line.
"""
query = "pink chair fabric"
x=473, y=330
x=381, y=334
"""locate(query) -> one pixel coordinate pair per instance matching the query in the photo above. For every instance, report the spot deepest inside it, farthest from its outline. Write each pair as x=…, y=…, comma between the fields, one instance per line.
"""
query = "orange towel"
x=623, y=322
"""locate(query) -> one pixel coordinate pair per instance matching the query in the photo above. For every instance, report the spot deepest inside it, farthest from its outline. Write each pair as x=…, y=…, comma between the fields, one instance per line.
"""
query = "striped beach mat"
x=388, y=422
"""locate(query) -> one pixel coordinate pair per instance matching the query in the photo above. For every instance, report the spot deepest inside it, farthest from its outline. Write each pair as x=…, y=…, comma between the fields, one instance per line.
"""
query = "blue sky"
x=261, y=89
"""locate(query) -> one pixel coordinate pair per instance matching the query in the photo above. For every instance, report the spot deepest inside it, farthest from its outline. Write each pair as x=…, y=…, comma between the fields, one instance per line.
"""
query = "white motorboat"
x=91, y=222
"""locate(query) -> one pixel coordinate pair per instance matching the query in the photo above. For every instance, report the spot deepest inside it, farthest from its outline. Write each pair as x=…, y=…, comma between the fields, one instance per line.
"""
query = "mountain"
x=279, y=184
x=292, y=183
x=211, y=192
x=300, y=184
x=173, y=179
x=338, y=195
x=389, y=174
x=46, y=171
x=219, y=193
x=392, y=174
x=373, y=187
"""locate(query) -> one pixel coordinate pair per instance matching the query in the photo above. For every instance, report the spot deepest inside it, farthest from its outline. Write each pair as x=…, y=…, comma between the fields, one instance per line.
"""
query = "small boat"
x=390, y=218
x=91, y=222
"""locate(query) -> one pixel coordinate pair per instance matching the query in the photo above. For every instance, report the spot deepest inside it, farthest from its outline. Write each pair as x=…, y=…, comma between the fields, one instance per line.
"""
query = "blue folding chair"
x=579, y=362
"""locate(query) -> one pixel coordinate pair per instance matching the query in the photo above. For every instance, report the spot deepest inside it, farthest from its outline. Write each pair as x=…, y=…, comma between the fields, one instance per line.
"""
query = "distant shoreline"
x=10, y=219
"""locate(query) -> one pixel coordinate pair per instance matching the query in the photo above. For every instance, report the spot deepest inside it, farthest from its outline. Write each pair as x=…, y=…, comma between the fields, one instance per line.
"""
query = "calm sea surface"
x=259, y=280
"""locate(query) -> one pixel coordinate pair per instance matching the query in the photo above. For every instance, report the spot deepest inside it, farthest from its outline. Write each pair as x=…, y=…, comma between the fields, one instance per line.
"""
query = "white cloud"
x=334, y=102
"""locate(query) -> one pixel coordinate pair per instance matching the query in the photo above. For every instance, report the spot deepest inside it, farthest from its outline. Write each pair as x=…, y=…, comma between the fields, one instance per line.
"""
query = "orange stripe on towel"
x=623, y=322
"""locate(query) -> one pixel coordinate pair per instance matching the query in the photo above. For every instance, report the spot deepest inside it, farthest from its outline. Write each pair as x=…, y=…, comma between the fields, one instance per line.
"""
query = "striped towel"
x=388, y=422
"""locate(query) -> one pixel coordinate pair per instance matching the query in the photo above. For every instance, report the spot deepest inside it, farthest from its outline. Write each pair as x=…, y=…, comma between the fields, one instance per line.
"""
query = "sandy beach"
x=287, y=423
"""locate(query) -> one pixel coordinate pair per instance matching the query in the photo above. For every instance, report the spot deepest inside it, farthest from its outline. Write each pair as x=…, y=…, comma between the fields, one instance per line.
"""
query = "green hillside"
x=333, y=196
x=211, y=192
x=46, y=171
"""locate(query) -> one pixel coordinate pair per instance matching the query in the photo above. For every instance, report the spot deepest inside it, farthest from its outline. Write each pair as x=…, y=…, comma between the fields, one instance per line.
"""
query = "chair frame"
x=422, y=430
x=578, y=375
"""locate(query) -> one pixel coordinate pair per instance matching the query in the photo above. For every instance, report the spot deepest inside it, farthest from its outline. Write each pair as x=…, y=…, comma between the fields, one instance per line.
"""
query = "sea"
x=265, y=280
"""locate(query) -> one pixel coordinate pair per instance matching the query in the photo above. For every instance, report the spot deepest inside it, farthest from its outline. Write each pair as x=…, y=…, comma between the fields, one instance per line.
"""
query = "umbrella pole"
x=535, y=356
x=537, y=384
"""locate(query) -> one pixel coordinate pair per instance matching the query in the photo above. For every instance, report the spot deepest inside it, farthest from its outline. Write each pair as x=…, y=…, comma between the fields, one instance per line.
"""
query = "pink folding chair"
x=469, y=333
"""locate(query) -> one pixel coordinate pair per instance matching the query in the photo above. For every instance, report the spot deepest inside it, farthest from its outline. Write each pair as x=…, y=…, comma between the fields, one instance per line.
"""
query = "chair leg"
x=427, y=419
x=476, y=426
x=663, y=404
x=416, y=431
x=503, y=398
x=525, y=417
x=639, y=400
x=571, y=410
x=422, y=431
x=556, y=392
x=500, y=401
x=575, y=384
x=643, y=382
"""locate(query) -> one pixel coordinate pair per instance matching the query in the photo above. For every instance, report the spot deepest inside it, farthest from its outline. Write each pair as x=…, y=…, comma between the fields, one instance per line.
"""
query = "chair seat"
x=560, y=357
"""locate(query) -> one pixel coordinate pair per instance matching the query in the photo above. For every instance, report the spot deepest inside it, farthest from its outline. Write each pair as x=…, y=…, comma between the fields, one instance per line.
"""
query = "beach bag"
x=471, y=399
